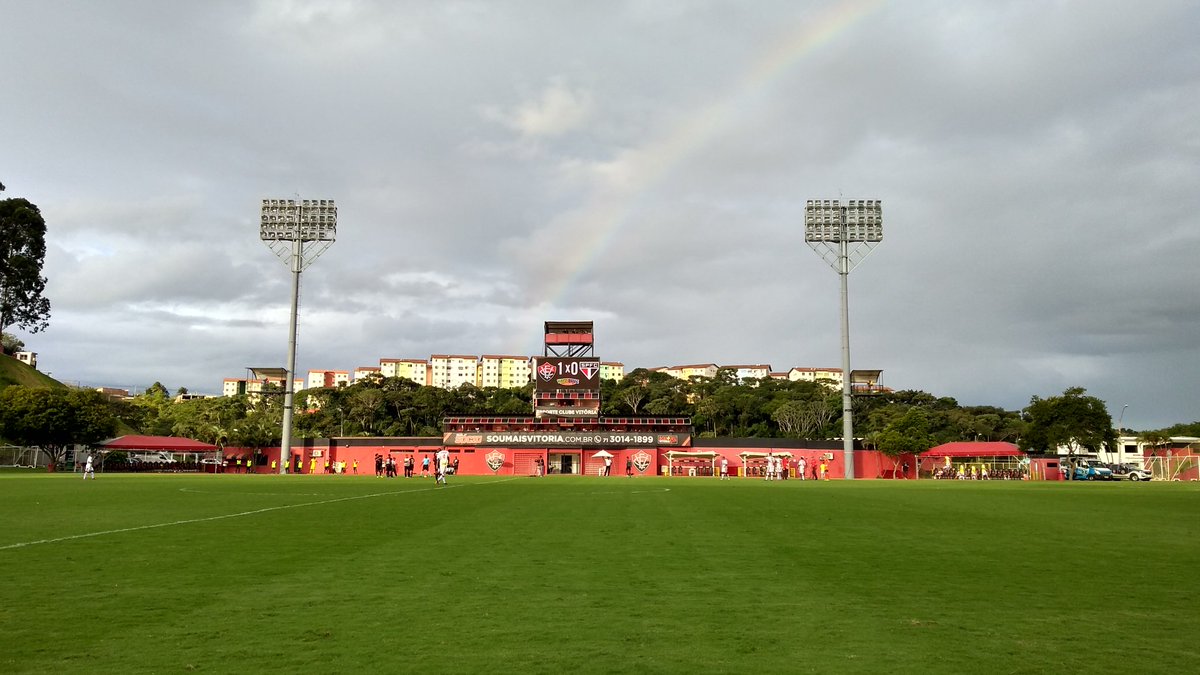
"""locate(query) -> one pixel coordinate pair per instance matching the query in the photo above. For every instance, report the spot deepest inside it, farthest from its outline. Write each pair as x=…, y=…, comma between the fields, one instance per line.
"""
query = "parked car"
x=1092, y=470
x=1130, y=472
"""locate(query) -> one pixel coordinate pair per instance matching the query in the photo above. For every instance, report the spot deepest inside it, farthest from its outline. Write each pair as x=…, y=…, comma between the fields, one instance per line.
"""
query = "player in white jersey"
x=443, y=463
x=88, y=469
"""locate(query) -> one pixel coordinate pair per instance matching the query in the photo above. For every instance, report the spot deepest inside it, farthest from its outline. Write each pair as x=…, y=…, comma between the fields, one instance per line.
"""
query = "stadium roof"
x=974, y=449
x=267, y=373
x=168, y=443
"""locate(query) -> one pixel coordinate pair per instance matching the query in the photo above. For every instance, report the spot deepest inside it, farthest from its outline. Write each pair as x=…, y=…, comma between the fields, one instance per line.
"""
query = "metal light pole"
x=1120, y=431
x=298, y=231
x=843, y=235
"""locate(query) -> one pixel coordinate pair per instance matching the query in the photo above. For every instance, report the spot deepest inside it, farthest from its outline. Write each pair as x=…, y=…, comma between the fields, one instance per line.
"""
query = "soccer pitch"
x=235, y=573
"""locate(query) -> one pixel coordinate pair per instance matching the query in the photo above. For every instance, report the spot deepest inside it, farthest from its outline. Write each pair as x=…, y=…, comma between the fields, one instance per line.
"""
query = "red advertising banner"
x=556, y=373
x=552, y=439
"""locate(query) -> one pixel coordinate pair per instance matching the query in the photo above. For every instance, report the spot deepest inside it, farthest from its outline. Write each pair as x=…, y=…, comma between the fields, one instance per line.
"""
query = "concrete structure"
x=451, y=371
x=520, y=450
x=416, y=370
x=505, y=372
x=327, y=378
x=28, y=358
x=833, y=376
x=612, y=370
x=1128, y=450
x=750, y=372
x=115, y=393
x=362, y=373
x=690, y=371
x=234, y=386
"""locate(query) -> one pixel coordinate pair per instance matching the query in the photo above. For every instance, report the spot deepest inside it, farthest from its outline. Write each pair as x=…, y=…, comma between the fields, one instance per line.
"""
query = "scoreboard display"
x=554, y=373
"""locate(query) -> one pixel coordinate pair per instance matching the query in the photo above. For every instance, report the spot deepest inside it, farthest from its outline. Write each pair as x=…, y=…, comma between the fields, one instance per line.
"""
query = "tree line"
x=892, y=422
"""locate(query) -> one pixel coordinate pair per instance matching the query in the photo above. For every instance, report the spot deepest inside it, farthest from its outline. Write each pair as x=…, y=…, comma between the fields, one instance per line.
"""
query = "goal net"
x=1181, y=467
x=16, y=456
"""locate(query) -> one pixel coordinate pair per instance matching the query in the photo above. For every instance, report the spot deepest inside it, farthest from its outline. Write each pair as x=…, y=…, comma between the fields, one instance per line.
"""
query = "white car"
x=1130, y=472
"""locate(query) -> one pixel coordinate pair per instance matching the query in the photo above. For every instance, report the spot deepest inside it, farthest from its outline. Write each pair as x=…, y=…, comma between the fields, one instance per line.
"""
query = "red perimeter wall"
x=473, y=460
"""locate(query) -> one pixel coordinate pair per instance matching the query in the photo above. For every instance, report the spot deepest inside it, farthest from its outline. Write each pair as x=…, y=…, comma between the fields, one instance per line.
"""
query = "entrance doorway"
x=565, y=463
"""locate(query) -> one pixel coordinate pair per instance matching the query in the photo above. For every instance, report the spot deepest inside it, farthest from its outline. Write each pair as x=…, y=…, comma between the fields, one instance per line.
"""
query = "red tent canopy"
x=167, y=443
x=968, y=449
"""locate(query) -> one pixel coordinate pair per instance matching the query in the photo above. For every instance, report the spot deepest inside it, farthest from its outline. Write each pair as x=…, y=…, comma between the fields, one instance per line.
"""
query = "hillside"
x=13, y=371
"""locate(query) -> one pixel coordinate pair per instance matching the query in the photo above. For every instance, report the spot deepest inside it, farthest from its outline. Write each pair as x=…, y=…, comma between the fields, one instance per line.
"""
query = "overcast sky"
x=642, y=164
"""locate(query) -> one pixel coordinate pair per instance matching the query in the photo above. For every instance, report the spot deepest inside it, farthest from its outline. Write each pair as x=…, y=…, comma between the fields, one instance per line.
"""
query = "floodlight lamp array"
x=827, y=220
x=298, y=220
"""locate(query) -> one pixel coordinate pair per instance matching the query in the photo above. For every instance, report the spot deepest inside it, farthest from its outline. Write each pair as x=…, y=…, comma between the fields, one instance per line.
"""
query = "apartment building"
x=690, y=371
x=416, y=370
x=754, y=372
x=363, y=373
x=833, y=375
x=235, y=386
x=327, y=378
x=450, y=371
x=506, y=372
x=612, y=370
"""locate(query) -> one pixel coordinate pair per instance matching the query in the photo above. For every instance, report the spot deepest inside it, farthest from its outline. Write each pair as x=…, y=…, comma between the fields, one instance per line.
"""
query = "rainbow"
x=601, y=220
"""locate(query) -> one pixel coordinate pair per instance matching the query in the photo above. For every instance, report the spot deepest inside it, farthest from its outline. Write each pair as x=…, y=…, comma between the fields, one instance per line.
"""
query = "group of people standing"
x=385, y=467
x=776, y=468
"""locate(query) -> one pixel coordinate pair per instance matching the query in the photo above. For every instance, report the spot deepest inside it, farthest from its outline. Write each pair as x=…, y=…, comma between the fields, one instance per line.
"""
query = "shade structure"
x=165, y=443
x=603, y=453
x=974, y=449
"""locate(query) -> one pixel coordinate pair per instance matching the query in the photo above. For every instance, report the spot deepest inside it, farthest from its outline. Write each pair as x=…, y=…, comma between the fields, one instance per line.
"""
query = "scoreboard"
x=556, y=373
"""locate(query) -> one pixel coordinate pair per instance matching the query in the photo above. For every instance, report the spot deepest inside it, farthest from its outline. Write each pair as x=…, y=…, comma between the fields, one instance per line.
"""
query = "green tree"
x=1073, y=420
x=55, y=419
x=790, y=416
x=22, y=254
x=367, y=407
x=258, y=430
x=906, y=435
x=10, y=344
x=151, y=412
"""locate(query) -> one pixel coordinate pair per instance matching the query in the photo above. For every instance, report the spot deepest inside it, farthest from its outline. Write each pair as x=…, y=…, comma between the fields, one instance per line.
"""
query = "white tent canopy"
x=673, y=455
x=760, y=455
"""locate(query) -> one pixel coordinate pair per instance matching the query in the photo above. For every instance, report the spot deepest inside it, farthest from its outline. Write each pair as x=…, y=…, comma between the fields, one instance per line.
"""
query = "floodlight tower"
x=298, y=231
x=844, y=235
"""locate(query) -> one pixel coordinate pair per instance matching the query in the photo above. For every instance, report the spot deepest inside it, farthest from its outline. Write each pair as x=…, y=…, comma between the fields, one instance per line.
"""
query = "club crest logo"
x=589, y=370
x=495, y=460
x=546, y=371
x=641, y=460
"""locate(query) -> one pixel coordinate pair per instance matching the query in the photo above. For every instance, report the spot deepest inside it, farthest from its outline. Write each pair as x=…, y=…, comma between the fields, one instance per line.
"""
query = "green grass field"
x=183, y=573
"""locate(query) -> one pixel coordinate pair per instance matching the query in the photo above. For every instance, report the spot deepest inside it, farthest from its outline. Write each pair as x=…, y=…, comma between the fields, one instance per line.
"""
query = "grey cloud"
x=1037, y=165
